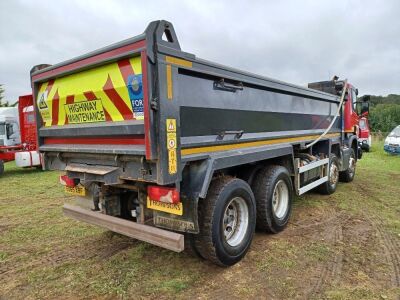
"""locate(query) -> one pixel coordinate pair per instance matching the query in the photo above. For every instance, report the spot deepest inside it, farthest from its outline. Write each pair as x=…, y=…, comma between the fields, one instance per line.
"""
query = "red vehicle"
x=355, y=118
x=364, y=138
x=355, y=112
x=20, y=146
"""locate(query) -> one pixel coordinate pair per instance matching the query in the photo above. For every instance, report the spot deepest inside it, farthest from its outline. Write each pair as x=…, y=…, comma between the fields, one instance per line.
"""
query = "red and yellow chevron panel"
x=112, y=92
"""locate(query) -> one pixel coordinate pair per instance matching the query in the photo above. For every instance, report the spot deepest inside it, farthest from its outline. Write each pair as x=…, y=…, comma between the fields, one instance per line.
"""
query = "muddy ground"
x=342, y=246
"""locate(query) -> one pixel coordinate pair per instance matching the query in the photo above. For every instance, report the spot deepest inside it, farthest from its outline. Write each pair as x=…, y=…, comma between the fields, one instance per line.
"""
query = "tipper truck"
x=162, y=146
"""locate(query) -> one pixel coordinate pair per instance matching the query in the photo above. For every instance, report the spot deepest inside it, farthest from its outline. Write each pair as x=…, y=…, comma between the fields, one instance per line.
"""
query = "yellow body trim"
x=169, y=82
x=172, y=208
x=219, y=148
x=92, y=80
x=178, y=61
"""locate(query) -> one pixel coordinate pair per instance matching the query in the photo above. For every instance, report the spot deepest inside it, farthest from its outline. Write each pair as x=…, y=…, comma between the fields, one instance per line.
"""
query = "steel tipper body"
x=156, y=136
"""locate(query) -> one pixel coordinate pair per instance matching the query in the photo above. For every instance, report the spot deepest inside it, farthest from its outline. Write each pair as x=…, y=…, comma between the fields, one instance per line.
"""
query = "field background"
x=342, y=246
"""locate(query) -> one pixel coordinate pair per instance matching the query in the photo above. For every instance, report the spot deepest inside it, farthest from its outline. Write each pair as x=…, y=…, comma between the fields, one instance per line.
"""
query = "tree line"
x=384, y=113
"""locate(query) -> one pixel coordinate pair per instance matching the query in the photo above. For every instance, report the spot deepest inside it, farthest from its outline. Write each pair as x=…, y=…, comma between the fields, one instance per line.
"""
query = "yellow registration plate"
x=78, y=190
x=172, y=208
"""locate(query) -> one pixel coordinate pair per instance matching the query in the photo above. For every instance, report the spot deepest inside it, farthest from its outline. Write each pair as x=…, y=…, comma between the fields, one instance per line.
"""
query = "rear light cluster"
x=70, y=182
x=163, y=194
x=155, y=193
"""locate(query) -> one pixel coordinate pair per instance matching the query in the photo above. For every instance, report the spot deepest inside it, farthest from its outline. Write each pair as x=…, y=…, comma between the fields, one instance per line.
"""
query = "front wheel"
x=348, y=175
x=329, y=187
x=227, y=221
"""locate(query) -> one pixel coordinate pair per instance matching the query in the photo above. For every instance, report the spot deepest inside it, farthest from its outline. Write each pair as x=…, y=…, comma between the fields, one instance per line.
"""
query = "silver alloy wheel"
x=280, y=199
x=352, y=165
x=333, y=174
x=235, y=221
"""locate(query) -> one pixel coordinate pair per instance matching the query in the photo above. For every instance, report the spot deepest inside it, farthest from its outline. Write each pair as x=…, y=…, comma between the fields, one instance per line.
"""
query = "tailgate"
x=94, y=104
x=94, y=111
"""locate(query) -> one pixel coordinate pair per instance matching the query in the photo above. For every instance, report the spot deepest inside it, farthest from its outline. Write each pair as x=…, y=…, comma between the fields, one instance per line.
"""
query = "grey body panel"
x=90, y=129
x=105, y=149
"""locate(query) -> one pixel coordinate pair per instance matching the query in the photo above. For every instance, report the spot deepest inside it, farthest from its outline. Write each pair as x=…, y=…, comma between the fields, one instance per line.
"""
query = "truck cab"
x=351, y=117
x=9, y=127
x=354, y=111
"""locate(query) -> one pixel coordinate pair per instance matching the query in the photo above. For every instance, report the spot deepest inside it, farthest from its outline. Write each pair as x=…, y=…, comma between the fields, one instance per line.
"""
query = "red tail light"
x=71, y=182
x=163, y=194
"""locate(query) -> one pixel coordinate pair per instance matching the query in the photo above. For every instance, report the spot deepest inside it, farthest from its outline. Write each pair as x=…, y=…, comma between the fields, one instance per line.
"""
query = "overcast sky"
x=294, y=41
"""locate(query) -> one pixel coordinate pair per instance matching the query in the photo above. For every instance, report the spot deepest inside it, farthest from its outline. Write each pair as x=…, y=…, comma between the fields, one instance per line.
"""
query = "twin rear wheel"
x=228, y=216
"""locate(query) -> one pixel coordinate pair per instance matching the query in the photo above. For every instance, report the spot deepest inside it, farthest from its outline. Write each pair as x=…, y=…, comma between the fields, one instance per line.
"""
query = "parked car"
x=392, y=141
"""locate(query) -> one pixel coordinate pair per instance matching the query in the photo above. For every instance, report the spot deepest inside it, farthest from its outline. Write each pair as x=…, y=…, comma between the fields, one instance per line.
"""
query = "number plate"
x=172, y=208
x=78, y=190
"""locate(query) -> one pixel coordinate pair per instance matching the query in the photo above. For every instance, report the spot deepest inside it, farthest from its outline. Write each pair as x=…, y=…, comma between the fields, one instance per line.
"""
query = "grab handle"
x=222, y=85
x=238, y=133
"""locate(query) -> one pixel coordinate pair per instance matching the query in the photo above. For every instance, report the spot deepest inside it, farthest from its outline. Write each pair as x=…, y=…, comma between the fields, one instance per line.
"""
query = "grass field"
x=342, y=246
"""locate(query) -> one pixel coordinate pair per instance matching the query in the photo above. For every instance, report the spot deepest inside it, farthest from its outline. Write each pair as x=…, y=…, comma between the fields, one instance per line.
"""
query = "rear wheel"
x=227, y=221
x=1, y=167
x=348, y=175
x=274, y=196
x=190, y=247
x=329, y=187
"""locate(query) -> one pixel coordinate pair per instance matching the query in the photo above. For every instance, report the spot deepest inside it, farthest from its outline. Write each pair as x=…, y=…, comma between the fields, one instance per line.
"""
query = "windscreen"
x=395, y=132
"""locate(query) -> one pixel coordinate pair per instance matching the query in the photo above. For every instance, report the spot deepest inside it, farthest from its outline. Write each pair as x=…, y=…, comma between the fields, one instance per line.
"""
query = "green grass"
x=46, y=255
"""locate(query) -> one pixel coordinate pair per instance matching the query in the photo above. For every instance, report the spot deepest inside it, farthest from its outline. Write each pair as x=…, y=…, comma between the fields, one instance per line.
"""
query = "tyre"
x=273, y=191
x=190, y=247
x=348, y=175
x=329, y=187
x=1, y=167
x=227, y=221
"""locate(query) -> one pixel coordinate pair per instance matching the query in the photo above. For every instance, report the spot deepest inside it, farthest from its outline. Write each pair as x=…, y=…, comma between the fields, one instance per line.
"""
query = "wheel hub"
x=280, y=199
x=352, y=165
x=235, y=221
x=333, y=174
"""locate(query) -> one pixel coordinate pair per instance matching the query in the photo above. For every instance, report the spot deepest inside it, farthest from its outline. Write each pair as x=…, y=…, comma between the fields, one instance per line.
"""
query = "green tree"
x=389, y=99
x=384, y=117
x=2, y=104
